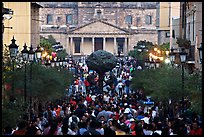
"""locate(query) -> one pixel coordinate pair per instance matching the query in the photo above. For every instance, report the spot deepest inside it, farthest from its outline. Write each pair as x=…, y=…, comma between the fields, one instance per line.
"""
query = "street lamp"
x=64, y=62
x=52, y=63
x=60, y=62
x=200, y=52
x=146, y=63
x=172, y=56
x=13, y=48
x=57, y=63
x=38, y=53
x=157, y=63
x=25, y=58
x=31, y=54
x=183, y=56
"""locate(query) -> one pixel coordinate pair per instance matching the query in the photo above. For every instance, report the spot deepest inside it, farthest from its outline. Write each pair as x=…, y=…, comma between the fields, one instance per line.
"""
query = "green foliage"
x=164, y=46
x=163, y=83
x=140, y=51
x=183, y=42
x=62, y=54
x=101, y=61
x=47, y=43
x=51, y=40
x=193, y=84
x=46, y=82
x=12, y=113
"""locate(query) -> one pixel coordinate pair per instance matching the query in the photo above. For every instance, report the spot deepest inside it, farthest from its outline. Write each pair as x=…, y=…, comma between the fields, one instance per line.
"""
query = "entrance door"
x=98, y=45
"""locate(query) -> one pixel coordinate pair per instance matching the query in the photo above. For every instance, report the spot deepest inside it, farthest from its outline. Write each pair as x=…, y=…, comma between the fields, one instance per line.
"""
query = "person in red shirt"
x=58, y=110
x=196, y=130
x=88, y=98
x=21, y=128
x=87, y=85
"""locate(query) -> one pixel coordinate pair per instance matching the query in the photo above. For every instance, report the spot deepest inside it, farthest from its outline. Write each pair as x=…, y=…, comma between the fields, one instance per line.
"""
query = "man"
x=92, y=129
x=103, y=113
x=21, y=129
x=196, y=130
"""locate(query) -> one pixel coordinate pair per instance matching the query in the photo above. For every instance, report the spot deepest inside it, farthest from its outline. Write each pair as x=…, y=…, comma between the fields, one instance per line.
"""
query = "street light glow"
x=167, y=60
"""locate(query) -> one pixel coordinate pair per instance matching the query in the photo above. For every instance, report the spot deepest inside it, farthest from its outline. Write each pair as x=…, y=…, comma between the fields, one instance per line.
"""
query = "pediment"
x=100, y=27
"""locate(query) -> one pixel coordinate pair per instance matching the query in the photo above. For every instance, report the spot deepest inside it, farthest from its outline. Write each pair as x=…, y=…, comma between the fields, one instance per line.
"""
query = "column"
x=71, y=46
x=115, y=46
x=93, y=38
x=104, y=43
x=82, y=46
x=125, y=47
x=68, y=44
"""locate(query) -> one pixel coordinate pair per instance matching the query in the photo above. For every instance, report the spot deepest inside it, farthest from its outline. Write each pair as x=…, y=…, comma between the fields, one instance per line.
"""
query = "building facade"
x=24, y=23
x=191, y=29
x=84, y=27
x=166, y=11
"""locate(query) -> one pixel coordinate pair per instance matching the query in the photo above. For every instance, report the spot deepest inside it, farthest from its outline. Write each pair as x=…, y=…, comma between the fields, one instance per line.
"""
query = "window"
x=98, y=13
x=173, y=34
x=77, y=47
x=138, y=20
x=167, y=34
x=49, y=19
x=69, y=19
x=120, y=47
x=58, y=19
x=148, y=19
x=128, y=19
x=191, y=55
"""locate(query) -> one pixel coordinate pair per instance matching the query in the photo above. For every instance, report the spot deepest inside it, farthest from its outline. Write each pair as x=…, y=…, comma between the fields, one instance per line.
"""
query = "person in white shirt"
x=120, y=87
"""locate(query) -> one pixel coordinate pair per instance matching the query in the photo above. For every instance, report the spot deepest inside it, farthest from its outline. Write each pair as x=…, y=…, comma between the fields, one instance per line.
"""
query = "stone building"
x=191, y=29
x=24, y=23
x=84, y=27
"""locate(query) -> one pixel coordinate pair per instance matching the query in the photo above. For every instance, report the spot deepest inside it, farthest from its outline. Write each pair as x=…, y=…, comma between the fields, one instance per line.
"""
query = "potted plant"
x=183, y=43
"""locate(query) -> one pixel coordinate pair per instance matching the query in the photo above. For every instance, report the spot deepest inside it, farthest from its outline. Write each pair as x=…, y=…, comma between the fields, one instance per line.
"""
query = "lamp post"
x=38, y=53
x=172, y=56
x=52, y=63
x=13, y=48
x=64, y=62
x=157, y=63
x=200, y=53
x=183, y=56
x=31, y=54
x=25, y=58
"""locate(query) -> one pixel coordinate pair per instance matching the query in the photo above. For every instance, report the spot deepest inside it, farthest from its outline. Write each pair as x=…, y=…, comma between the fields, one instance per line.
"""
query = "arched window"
x=128, y=19
x=49, y=19
x=148, y=19
x=69, y=19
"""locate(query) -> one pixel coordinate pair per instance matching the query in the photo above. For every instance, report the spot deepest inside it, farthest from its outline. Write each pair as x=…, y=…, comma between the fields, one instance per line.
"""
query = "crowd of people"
x=118, y=110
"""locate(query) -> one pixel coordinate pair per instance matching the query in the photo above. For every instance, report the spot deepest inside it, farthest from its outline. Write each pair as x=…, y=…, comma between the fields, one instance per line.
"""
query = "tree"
x=51, y=40
x=49, y=80
x=165, y=83
x=62, y=54
x=46, y=45
x=12, y=113
x=101, y=61
x=140, y=50
x=183, y=43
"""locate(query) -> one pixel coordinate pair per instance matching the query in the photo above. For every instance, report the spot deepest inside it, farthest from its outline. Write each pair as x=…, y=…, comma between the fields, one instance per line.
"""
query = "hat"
x=132, y=120
x=127, y=110
x=125, y=104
